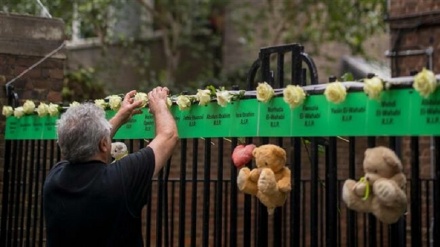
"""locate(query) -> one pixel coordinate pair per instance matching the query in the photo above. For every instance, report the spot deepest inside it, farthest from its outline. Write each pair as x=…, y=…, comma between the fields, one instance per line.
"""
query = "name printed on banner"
x=38, y=126
x=309, y=115
x=388, y=112
x=25, y=126
x=148, y=122
x=130, y=123
x=274, y=115
x=430, y=111
x=192, y=119
x=12, y=126
x=244, y=117
x=347, y=112
x=218, y=117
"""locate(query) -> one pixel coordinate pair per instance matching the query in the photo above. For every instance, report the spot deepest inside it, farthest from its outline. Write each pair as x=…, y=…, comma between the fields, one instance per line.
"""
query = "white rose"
x=294, y=95
x=335, y=92
x=264, y=92
x=223, y=97
x=169, y=102
x=114, y=101
x=141, y=97
x=425, y=82
x=7, y=111
x=373, y=87
x=203, y=96
x=53, y=109
x=28, y=107
x=100, y=103
x=19, y=112
x=183, y=102
x=42, y=109
x=74, y=103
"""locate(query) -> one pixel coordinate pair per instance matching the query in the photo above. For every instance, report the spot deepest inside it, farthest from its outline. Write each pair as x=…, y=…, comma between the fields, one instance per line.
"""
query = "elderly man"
x=89, y=202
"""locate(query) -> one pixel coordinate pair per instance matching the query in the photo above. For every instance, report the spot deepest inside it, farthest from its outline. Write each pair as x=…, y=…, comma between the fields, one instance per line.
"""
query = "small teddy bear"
x=270, y=180
x=382, y=189
x=119, y=150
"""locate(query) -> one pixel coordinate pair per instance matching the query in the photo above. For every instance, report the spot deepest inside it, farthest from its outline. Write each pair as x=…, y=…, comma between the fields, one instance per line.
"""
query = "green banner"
x=399, y=112
x=30, y=128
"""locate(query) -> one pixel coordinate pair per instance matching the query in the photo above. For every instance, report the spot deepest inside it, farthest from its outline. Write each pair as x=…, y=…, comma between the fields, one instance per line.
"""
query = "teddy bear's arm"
x=244, y=183
x=284, y=184
x=360, y=189
x=255, y=174
x=400, y=179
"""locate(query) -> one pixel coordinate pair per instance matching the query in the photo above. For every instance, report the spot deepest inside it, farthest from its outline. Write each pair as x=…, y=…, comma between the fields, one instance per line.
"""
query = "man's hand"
x=157, y=99
x=129, y=107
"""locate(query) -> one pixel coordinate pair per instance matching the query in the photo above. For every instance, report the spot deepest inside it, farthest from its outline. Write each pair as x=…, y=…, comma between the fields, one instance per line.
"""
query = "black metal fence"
x=195, y=200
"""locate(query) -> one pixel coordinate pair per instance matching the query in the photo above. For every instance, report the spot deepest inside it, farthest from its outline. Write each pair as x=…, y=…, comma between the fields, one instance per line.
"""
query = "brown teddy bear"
x=382, y=189
x=270, y=180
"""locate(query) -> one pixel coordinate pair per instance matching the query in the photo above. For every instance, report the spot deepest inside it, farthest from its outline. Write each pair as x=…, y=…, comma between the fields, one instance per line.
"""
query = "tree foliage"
x=94, y=16
x=184, y=24
x=82, y=85
x=314, y=22
x=196, y=26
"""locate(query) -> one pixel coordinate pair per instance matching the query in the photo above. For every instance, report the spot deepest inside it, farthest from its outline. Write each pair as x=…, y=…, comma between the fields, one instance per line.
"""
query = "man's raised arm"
x=166, y=130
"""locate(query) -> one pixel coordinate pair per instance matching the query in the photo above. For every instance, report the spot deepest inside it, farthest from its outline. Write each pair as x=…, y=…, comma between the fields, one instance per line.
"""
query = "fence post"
x=416, y=220
x=352, y=235
x=206, y=192
x=314, y=209
x=397, y=230
x=436, y=231
x=182, y=192
x=331, y=193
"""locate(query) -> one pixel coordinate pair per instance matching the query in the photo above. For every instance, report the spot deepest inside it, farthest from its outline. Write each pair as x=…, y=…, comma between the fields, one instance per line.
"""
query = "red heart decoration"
x=242, y=155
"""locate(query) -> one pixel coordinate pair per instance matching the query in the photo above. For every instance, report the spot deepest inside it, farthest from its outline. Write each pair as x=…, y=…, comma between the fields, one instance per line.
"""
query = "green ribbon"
x=367, y=188
x=120, y=156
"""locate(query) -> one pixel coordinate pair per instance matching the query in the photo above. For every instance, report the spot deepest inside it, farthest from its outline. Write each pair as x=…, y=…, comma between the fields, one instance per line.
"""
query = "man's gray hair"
x=79, y=130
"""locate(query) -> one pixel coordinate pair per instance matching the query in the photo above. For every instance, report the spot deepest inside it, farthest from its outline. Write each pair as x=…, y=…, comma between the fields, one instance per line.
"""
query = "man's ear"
x=104, y=145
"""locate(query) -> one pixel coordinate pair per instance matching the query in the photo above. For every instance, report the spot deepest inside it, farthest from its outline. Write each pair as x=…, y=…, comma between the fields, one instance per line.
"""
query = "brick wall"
x=24, y=40
x=412, y=7
x=414, y=25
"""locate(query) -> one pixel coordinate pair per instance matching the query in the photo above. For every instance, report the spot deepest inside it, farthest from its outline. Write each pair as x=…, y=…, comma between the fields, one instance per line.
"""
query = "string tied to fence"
x=50, y=54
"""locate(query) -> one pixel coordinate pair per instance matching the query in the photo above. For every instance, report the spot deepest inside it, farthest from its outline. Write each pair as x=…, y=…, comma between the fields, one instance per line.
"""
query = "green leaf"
x=347, y=77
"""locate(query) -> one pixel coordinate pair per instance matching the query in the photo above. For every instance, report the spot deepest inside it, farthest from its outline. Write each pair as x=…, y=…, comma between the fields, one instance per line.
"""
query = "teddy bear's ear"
x=254, y=152
x=392, y=160
x=280, y=153
x=367, y=151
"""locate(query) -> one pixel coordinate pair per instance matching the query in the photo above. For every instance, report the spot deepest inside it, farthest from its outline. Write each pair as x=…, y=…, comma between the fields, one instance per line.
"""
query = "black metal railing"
x=195, y=201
